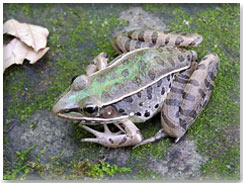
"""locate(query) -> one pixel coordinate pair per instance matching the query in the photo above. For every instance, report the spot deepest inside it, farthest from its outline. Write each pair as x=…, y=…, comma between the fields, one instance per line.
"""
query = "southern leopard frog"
x=153, y=74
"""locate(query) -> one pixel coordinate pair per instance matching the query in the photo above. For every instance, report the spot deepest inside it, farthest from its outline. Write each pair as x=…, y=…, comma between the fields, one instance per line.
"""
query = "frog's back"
x=134, y=71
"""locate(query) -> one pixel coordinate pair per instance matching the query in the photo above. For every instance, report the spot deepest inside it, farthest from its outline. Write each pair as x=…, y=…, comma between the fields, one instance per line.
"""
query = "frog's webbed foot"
x=159, y=135
x=99, y=63
x=130, y=135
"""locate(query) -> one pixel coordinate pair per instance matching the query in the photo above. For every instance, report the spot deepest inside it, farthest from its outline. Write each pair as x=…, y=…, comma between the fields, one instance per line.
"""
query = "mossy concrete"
x=77, y=34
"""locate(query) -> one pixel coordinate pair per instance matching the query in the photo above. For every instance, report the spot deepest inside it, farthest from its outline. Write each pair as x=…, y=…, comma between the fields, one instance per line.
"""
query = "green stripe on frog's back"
x=133, y=72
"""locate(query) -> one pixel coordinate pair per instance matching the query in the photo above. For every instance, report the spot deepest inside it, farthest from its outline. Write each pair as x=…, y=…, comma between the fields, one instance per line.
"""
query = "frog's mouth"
x=75, y=115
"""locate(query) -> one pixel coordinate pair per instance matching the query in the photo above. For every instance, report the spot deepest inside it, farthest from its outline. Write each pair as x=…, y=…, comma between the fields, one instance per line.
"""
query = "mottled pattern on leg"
x=171, y=108
x=189, y=95
x=128, y=41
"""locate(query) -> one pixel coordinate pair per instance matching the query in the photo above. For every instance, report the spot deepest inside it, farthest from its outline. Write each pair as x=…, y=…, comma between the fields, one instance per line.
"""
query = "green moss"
x=100, y=170
x=21, y=168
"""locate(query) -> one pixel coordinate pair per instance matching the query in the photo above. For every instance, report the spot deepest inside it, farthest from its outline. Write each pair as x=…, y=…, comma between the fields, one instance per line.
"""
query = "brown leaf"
x=16, y=51
x=32, y=35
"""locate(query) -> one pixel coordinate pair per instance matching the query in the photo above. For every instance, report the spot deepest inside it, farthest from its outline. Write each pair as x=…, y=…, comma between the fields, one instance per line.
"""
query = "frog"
x=154, y=73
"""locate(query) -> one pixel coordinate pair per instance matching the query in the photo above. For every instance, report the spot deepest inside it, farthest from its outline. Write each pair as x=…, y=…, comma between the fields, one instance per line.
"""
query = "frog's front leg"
x=99, y=63
x=128, y=137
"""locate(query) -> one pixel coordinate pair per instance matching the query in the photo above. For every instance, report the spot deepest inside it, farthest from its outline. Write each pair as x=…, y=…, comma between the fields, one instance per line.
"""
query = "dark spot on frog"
x=141, y=104
x=163, y=91
x=149, y=96
x=121, y=110
x=212, y=76
x=168, y=77
x=179, y=40
x=159, y=83
x=151, y=74
x=167, y=40
x=159, y=60
x=137, y=80
x=141, y=36
x=181, y=58
x=128, y=99
x=123, y=141
x=182, y=123
x=142, y=65
x=171, y=61
x=170, y=50
x=139, y=94
x=149, y=92
x=105, y=95
x=125, y=73
x=154, y=37
x=129, y=34
x=127, y=45
x=138, y=114
x=192, y=43
x=156, y=106
x=170, y=85
x=111, y=141
x=138, y=44
x=126, y=62
x=147, y=114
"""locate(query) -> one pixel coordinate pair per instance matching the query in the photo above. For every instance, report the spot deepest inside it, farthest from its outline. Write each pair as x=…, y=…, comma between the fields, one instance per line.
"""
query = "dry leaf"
x=32, y=35
x=16, y=51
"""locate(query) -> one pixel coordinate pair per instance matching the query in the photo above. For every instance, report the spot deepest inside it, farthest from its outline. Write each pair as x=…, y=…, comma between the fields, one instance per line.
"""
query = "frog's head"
x=76, y=105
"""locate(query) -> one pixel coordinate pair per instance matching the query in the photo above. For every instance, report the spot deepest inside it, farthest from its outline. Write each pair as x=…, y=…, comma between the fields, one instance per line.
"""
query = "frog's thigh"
x=128, y=137
x=98, y=63
x=187, y=99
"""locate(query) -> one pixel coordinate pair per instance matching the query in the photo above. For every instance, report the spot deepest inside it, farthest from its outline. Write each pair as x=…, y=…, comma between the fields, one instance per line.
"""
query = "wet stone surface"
x=49, y=132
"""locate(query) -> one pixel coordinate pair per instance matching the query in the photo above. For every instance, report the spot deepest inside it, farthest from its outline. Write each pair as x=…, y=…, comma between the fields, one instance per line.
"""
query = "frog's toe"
x=113, y=140
x=95, y=140
x=159, y=135
x=100, y=62
x=91, y=68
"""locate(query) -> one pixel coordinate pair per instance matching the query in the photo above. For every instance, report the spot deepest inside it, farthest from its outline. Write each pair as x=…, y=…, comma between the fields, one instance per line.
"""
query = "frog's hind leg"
x=162, y=133
x=99, y=63
x=188, y=97
x=128, y=137
x=128, y=41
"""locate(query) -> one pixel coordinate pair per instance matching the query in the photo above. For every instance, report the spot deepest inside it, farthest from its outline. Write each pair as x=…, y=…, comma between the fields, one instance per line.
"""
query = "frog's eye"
x=91, y=109
x=74, y=78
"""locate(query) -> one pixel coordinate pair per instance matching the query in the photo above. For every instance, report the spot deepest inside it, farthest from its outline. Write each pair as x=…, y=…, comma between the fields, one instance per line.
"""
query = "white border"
x=100, y=1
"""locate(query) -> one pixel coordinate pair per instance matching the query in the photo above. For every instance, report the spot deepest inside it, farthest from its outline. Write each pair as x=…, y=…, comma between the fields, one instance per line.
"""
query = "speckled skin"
x=134, y=86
